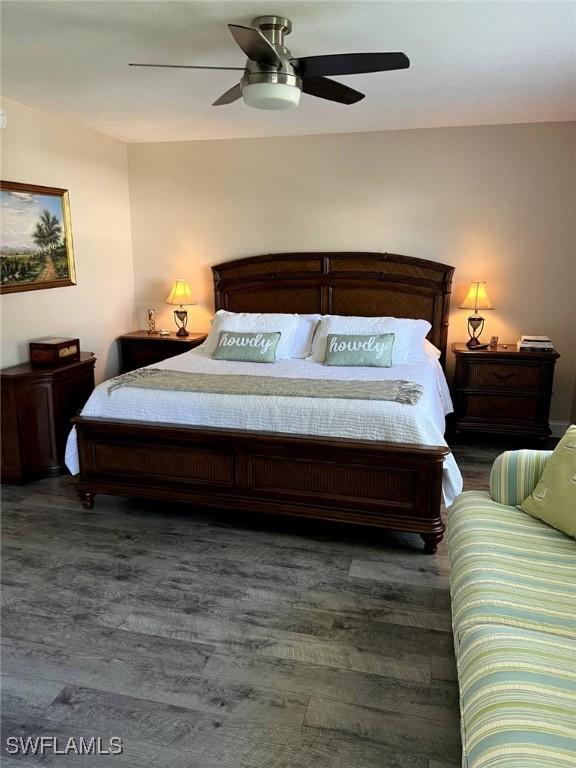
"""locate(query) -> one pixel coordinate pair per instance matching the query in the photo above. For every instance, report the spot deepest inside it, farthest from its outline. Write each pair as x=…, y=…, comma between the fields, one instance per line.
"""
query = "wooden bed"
x=386, y=485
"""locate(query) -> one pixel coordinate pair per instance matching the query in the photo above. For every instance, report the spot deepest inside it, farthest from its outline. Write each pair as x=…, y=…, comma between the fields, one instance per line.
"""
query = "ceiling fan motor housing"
x=272, y=87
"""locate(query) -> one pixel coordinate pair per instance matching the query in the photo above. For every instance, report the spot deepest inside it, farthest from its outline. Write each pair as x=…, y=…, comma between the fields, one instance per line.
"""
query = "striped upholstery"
x=518, y=698
x=515, y=475
x=509, y=568
x=513, y=585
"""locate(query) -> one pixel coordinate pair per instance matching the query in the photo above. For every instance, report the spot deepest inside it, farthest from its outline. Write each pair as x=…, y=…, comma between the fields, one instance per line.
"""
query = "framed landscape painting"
x=35, y=238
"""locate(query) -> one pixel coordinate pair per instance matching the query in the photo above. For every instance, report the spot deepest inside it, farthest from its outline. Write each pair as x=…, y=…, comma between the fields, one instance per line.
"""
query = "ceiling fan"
x=274, y=79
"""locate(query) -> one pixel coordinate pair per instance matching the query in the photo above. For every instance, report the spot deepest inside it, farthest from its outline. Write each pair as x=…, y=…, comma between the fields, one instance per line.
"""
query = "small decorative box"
x=52, y=350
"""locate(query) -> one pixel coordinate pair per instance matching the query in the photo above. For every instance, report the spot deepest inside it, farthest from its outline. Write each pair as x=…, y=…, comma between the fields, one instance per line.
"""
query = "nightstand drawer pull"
x=525, y=378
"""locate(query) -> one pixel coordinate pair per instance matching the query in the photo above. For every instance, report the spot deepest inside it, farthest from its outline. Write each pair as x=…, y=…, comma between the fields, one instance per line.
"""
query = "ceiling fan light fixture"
x=271, y=95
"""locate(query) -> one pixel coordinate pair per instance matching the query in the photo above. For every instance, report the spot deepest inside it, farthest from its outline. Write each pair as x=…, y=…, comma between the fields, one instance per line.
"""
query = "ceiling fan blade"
x=186, y=66
x=349, y=64
x=232, y=94
x=255, y=45
x=331, y=90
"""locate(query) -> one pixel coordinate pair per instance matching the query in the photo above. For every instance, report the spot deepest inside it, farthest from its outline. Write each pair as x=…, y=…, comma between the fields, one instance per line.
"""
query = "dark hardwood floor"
x=210, y=641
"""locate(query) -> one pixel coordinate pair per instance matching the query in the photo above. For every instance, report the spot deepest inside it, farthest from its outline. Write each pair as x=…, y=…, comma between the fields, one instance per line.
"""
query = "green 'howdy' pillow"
x=554, y=499
x=247, y=347
x=355, y=350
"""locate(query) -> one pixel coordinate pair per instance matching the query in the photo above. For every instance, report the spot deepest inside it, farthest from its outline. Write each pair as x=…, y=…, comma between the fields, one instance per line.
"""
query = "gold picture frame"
x=36, y=250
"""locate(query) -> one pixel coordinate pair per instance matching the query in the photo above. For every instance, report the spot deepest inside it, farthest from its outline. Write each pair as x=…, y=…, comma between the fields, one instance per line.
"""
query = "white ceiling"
x=472, y=63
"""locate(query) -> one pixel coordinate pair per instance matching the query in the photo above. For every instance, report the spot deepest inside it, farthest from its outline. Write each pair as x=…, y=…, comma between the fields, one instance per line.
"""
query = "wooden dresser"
x=503, y=390
x=37, y=405
x=140, y=348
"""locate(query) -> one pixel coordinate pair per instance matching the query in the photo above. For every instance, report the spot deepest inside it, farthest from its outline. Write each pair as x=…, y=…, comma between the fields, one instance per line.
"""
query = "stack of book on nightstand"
x=536, y=343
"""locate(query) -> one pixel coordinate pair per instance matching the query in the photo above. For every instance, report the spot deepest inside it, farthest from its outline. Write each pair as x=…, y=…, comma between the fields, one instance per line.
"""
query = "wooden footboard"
x=386, y=485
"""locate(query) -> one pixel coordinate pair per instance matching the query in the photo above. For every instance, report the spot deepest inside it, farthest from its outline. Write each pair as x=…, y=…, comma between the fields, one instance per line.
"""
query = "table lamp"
x=180, y=294
x=476, y=299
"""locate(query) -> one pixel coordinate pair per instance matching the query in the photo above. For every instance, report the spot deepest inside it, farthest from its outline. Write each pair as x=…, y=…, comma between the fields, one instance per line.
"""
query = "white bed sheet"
x=360, y=419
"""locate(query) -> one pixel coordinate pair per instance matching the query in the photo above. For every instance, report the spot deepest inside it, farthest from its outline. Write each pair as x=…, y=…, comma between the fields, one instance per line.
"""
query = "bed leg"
x=87, y=499
x=431, y=541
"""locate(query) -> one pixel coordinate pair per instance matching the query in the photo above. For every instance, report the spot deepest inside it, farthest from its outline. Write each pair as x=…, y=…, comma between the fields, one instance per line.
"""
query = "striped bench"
x=513, y=587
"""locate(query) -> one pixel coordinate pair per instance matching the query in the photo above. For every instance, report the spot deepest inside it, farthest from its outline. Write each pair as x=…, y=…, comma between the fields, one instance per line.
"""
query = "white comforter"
x=360, y=419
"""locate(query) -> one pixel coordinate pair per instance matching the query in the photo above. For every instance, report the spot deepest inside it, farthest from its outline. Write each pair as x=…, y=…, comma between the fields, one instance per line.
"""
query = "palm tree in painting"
x=47, y=236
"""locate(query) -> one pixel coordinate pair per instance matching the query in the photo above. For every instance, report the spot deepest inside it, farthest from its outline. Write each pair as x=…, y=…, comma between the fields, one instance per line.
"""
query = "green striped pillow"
x=515, y=473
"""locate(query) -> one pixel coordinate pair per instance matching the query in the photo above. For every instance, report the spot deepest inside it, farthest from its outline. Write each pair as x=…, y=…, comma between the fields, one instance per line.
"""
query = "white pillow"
x=302, y=343
x=408, y=334
x=254, y=322
x=424, y=351
x=431, y=351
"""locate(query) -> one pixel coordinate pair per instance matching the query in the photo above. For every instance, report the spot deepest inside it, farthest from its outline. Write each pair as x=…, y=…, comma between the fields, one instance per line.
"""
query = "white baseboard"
x=559, y=427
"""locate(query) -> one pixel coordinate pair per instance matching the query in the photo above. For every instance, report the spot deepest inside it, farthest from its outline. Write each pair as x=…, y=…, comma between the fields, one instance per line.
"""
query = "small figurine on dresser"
x=152, y=322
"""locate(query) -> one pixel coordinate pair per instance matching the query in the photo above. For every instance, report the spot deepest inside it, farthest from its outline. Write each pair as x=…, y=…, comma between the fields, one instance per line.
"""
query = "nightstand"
x=140, y=348
x=503, y=390
x=37, y=405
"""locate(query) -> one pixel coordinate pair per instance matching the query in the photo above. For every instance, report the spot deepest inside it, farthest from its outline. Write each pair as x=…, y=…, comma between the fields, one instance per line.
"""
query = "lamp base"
x=475, y=328
x=181, y=319
x=473, y=343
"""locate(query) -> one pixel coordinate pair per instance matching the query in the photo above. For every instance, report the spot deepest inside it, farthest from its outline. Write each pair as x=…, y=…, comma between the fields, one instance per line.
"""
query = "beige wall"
x=496, y=202
x=41, y=149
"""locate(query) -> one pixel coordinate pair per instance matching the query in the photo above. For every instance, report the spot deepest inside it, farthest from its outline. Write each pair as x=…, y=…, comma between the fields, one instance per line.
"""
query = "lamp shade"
x=477, y=297
x=180, y=293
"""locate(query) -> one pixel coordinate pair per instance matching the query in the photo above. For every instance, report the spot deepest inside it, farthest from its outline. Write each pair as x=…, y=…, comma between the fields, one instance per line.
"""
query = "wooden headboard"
x=366, y=284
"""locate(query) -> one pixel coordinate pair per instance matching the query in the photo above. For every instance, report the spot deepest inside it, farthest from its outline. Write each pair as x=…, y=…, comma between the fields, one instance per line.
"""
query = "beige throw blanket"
x=405, y=392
